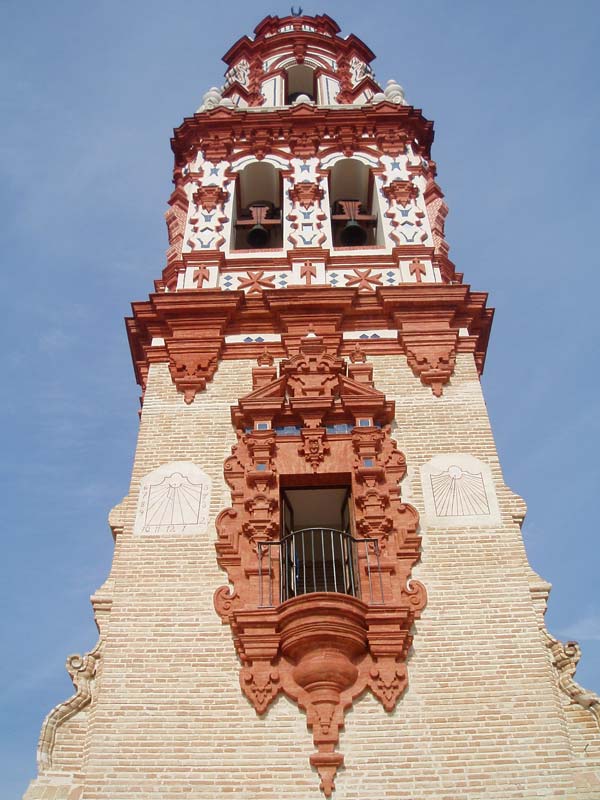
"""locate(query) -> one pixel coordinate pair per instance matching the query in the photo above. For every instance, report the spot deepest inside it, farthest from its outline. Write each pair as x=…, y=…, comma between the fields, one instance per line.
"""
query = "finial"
x=296, y=13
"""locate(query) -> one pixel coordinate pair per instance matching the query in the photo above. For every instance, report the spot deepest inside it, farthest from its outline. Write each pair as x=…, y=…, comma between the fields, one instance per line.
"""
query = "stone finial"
x=210, y=99
x=395, y=93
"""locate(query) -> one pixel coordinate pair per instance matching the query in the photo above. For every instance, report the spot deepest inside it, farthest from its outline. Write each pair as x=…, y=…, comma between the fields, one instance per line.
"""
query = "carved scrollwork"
x=225, y=602
x=416, y=594
x=565, y=657
x=321, y=649
x=82, y=671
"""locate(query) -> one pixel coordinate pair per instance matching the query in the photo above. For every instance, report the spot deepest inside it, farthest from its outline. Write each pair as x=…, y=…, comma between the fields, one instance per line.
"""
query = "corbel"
x=430, y=346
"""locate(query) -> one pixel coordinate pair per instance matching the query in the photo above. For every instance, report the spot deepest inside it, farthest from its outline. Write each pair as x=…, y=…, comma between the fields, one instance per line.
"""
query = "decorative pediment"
x=312, y=385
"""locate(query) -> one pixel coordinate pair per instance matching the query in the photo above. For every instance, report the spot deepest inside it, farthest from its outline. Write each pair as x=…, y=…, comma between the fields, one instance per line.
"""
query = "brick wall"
x=483, y=716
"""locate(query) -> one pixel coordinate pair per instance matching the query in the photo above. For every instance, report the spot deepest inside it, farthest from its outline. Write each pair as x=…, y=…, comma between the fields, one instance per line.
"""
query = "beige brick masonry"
x=484, y=715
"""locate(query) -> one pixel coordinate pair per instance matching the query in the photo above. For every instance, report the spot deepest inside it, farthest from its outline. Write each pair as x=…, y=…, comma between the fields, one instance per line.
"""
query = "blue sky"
x=90, y=93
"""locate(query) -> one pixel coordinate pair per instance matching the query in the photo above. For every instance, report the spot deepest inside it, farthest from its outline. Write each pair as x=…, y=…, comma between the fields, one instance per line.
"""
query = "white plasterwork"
x=380, y=333
x=174, y=500
x=236, y=338
x=459, y=491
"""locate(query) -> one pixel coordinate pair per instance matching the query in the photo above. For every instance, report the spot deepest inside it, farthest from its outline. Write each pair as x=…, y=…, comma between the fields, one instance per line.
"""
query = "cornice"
x=236, y=125
x=189, y=327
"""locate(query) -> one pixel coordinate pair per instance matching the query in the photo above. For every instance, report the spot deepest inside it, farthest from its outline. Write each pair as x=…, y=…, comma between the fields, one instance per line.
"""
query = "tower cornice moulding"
x=191, y=326
x=386, y=126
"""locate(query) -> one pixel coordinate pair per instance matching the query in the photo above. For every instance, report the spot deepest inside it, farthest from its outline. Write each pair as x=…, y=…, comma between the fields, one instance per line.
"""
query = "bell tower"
x=319, y=585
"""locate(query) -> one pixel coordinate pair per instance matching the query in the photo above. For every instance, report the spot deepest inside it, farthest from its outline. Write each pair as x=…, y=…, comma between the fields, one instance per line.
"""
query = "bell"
x=258, y=237
x=353, y=234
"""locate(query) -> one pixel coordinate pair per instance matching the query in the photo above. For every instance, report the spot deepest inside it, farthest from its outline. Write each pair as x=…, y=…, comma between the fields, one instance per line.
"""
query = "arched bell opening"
x=300, y=80
x=257, y=223
x=354, y=218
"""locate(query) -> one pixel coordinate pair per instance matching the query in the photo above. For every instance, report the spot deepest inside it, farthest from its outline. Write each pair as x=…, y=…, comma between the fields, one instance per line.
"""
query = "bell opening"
x=353, y=234
x=258, y=237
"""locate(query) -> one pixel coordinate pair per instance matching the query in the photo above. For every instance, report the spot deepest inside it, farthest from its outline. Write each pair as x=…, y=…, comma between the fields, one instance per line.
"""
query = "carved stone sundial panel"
x=174, y=500
x=458, y=489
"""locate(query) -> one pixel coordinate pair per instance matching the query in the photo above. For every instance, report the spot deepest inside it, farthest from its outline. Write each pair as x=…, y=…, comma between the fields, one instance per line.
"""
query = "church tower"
x=319, y=585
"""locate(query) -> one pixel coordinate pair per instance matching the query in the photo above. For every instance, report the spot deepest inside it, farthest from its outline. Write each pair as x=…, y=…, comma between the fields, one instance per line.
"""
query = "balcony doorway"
x=317, y=549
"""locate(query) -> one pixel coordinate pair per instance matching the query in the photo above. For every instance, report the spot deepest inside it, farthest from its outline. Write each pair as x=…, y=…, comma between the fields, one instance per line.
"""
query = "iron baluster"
x=314, y=568
x=369, y=571
x=379, y=570
x=270, y=580
x=260, y=583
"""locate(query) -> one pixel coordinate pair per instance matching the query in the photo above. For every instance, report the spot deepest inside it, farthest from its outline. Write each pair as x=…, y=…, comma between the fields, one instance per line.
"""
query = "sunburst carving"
x=175, y=501
x=458, y=493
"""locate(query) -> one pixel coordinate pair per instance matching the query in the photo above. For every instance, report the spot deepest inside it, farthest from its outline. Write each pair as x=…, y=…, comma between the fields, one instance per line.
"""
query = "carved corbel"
x=387, y=680
x=260, y=684
x=261, y=524
x=392, y=142
x=431, y=356
x=314, y=447
x=261, y=142
x=193, y=325
x=304, y=144
x=347, y=139
x=217, y=147
x=192, y=369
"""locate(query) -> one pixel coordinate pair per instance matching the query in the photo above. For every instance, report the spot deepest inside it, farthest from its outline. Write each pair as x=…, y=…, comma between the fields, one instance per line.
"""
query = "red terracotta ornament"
x=320, y=649
x=401, y=192
x=306, y=194
x=209, y=197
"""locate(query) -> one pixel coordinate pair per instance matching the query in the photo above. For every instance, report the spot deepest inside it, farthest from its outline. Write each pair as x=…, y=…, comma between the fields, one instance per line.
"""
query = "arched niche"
x=354, y=205
x=257, y=209
x=300, y=79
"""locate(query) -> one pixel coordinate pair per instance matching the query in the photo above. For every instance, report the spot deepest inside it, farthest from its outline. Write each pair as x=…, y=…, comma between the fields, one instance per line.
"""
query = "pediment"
x=272, y=391
x=351, y=388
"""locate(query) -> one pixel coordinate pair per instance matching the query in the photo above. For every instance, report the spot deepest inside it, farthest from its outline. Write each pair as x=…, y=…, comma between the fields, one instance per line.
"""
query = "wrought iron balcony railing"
x=318, y=560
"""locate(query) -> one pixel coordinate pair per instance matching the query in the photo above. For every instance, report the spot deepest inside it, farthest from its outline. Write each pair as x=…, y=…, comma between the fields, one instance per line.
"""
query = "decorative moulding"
x=459, y=490
x=321, y=649
x=401, y=192
x=174, y=500
x=82, y=671
x=191, y=325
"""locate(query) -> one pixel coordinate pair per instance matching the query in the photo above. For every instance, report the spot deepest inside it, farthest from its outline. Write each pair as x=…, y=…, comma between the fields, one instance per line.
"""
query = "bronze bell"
x=353, y=234
x=258, y=237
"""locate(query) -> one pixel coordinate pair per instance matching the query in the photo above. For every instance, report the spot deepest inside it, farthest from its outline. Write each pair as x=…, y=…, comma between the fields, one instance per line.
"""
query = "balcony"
x=316, y=559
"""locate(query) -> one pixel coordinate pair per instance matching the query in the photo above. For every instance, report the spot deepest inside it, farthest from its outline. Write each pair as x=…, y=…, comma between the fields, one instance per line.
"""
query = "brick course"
x=483, y=716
